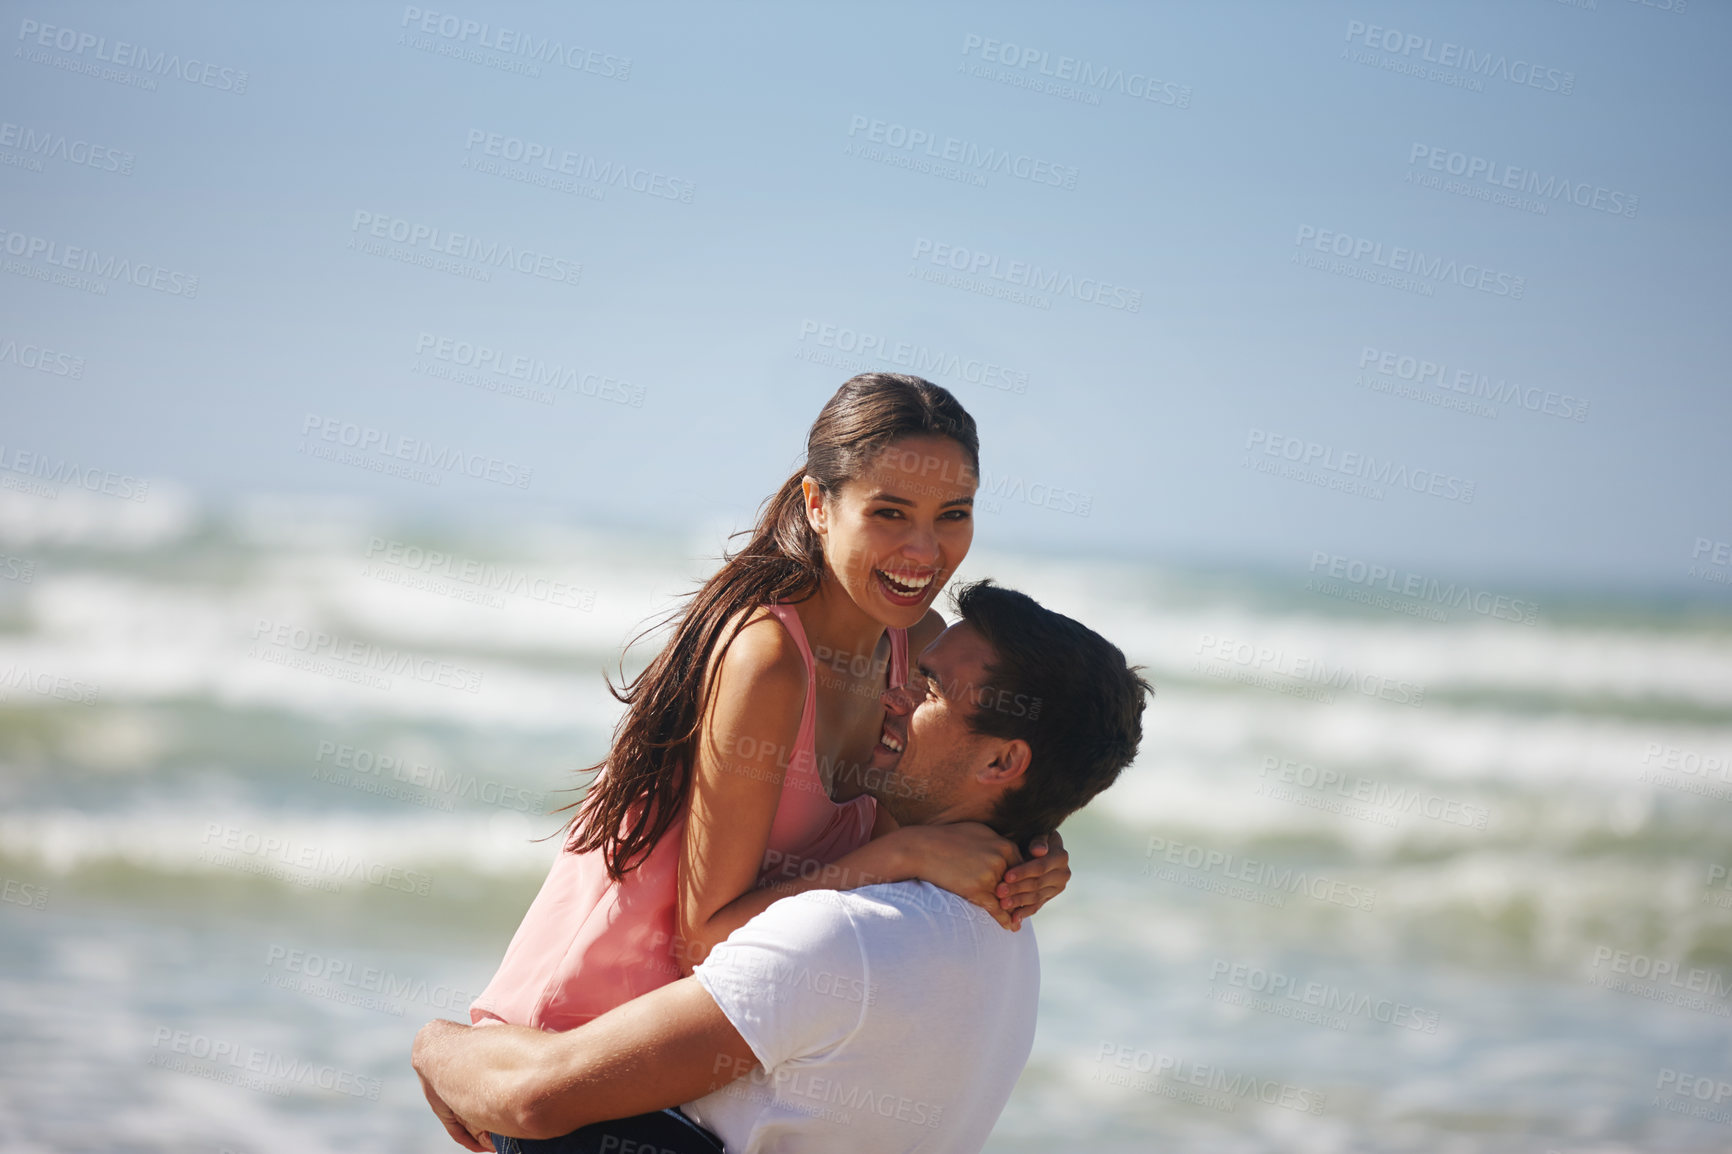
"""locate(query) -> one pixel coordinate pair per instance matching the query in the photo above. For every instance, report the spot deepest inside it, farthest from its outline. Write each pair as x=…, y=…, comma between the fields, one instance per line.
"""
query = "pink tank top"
x=589, y=943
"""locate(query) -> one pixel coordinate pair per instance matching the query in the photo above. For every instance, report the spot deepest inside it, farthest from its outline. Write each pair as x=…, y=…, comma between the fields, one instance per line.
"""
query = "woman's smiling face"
x=894, y=535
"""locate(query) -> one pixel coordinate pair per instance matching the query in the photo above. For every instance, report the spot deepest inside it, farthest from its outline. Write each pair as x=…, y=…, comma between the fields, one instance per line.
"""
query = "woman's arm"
x=737, y=763
x=966, y=858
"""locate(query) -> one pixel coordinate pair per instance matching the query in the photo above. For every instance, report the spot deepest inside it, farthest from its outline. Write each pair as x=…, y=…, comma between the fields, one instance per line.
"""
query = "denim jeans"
x=662, y=1132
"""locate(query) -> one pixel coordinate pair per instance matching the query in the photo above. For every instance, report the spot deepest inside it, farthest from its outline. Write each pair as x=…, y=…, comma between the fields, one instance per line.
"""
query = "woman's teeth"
x=907, y=584
x=888, y=741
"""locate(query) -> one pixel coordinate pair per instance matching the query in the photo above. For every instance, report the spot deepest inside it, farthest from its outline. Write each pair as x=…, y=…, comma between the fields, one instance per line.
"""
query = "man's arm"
x=669, y=1046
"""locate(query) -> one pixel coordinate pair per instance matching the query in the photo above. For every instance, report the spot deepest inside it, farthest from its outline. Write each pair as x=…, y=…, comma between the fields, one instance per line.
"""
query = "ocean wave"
x=315, y=851
x=75, y=518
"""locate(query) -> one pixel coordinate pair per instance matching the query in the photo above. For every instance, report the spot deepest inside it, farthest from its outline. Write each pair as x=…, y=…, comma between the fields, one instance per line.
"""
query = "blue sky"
x=1307, y=200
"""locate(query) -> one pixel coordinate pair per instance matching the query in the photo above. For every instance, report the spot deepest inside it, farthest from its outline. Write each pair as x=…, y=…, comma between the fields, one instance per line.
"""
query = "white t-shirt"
x=892, y=1017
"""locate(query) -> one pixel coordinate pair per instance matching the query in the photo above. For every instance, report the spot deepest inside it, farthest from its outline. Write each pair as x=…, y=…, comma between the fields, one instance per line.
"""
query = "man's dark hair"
x=1065, y=690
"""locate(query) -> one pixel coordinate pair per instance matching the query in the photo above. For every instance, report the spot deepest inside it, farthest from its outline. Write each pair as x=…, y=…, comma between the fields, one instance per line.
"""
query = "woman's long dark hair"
x=643, y=784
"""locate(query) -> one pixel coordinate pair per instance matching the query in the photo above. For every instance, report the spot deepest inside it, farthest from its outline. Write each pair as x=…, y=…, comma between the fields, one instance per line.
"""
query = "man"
x=889, y=1017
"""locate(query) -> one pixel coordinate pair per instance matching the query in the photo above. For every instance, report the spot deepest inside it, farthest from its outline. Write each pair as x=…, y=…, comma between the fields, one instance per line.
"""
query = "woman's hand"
x=1033, y=883
x=967, y=858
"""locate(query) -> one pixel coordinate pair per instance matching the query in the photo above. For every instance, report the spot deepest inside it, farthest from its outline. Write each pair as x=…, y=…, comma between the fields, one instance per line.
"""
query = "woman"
x=716, y=796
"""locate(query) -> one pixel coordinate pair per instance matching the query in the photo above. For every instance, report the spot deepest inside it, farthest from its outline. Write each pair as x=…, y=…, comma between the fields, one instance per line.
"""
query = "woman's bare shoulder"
x=763, y=656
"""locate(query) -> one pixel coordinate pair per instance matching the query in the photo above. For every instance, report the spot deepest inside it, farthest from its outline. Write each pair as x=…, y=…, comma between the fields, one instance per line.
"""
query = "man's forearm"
x=670, y=1046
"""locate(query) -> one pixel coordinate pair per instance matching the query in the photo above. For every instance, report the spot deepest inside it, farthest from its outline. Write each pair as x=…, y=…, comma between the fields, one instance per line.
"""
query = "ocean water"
x=1378, y=881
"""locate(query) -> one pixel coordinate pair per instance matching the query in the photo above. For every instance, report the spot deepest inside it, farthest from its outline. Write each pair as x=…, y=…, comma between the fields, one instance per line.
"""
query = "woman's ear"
x=814, y=505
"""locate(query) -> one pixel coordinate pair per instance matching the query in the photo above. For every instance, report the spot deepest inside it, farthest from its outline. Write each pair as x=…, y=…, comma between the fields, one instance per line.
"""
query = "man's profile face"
x=925, y=749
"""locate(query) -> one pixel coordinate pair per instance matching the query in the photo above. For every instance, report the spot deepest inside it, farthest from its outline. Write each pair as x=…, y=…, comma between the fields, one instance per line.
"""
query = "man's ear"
x=814, y=504
x=1009, y=767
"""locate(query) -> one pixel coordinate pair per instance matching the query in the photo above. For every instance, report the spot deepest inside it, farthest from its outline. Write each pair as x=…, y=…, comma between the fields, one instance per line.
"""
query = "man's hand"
x=477, y=1140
